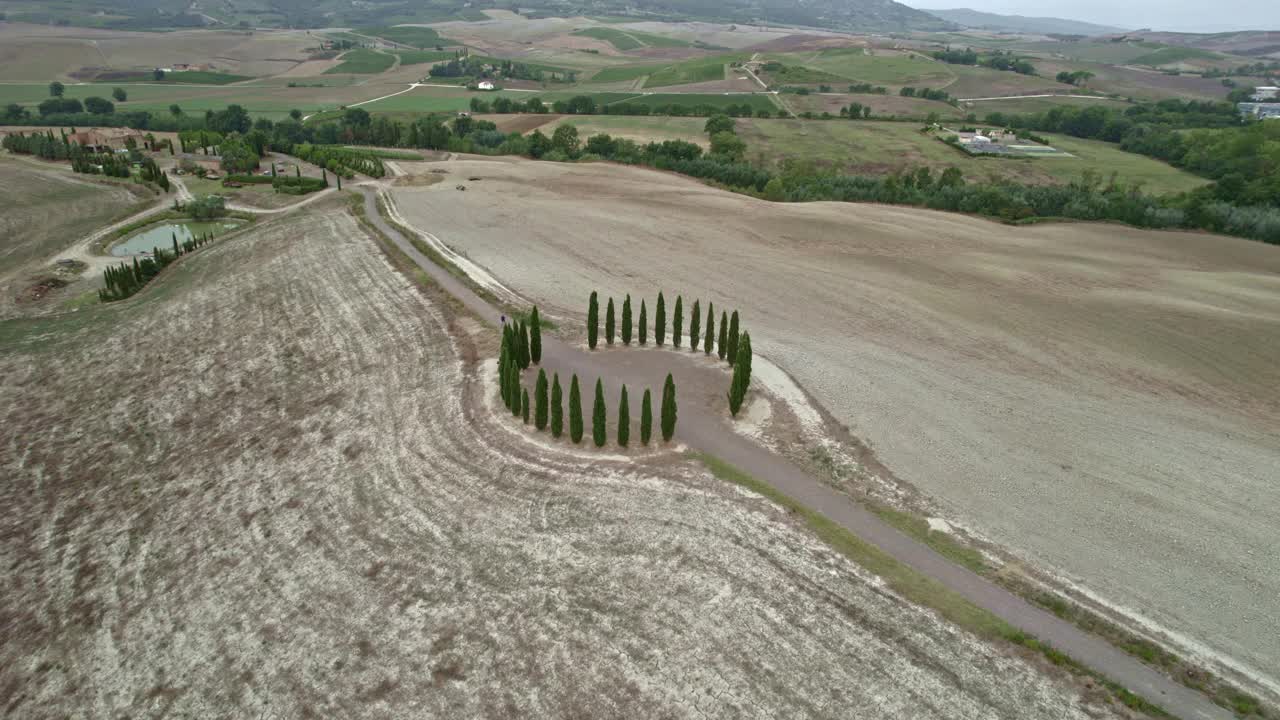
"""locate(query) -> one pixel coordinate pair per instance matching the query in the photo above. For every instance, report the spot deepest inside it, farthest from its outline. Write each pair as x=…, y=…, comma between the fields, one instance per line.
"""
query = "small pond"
x=161, y=235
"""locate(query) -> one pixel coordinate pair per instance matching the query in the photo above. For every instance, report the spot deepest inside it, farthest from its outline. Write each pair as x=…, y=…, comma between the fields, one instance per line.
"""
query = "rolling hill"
x=1020, y=23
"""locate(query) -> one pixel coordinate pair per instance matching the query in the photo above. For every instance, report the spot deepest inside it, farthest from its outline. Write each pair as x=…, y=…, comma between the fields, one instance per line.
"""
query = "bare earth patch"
x=1099, y=399
x=289, y=502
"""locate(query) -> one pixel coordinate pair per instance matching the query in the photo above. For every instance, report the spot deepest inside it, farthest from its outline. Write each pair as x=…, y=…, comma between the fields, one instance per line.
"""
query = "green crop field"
x=1114, y=52
x=616, y=38
x=657, y=40
x=1169, y=55
x=692, y=71
x=1029, y=105
x=800, y=75
x=417, y=57
x=362, y=61
x=198, y=77
x=622, y=73
x=413, y=36
x=757, y=102
x=873, y=147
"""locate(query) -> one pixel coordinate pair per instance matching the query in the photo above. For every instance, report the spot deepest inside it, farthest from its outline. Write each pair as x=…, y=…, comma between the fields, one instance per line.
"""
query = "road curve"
x=703, y=430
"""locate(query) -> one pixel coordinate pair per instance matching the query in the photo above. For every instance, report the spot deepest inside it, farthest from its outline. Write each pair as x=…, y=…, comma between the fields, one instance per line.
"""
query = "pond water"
x=161, y=235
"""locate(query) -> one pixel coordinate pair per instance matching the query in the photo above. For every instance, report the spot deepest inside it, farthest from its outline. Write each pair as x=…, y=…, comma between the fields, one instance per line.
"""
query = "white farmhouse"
x=485, y=85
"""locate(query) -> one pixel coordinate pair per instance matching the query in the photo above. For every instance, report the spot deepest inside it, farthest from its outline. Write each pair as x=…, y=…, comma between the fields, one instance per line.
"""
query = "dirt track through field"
x=289, y=501
x=708, y=432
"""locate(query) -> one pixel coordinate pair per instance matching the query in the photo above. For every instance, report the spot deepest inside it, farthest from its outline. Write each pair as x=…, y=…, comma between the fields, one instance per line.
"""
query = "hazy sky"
x=1180, y=15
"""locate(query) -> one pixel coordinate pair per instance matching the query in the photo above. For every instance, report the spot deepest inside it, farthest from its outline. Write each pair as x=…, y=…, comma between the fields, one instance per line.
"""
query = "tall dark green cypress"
x=575, y=411
x=599, y=432
x=677, y=322
x=540, y=401
x=709, y=340
x=723, y=346
x=624, y=419
x=535, y=336
x=644, y=324
x=741, y=375
x=626, y=320
x=608, y=322
x=593, y=320
x=732, y=351
x=668, y=409
x=646, y=418
x=557, y=411
x=695, y=326
x=524, y=346
x=504, y=369
x=515, y=393
x=524, y=405
x=660, y=322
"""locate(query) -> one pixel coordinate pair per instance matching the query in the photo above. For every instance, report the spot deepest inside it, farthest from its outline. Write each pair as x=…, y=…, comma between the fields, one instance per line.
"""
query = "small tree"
x=119, y=94
x=598, y=430
x=709, y=340
x=524, y=405
x=644, y=323
x=626, y=320
x=723, y=345
x=593, y=320
x=575, y=411
x=695, y=325
x=732, y=351
x=540, y=401
x=56, y=89
x=660, y=322
x=535, y=336
x=668, y=409
x=515, y=393
x=557, y=412
x=646, y=418
x=624, y=419
x=677, y=322
x=608, y=322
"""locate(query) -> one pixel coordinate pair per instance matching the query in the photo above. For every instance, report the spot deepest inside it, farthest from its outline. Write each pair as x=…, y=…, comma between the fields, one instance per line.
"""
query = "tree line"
x=126, y=279
x=522, y=347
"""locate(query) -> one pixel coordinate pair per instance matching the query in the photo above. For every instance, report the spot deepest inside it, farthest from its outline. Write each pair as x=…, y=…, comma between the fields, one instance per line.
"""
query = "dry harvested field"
x=1101, y=400
x=268, y=486
x=42, y=53
x=48, y=208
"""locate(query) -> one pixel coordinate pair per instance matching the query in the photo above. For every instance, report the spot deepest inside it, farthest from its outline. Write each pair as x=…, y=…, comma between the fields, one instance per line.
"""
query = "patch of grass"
x=200, y=77
x=413, y=36
x=918, y=588
x=418, y=57
x=364, y=62
x=1169, y=55
x=692, y=71
x=800, y=75
x=942, y=543
x=383, y=153
x=622, y=73
x=658, y=40
x=757, y=102
x=898, y=69
x=616, y=38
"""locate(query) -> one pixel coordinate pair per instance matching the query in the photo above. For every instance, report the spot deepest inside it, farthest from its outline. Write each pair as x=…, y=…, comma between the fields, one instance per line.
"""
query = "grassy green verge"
x=362, y=61
x=918, y=588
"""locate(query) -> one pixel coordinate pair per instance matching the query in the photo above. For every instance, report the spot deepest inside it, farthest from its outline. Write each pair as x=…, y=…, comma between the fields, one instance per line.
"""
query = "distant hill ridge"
x=1019, y=23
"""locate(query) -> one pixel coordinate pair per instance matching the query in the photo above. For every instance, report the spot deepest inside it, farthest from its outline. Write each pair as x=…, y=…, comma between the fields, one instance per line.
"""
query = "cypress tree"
x=575, y=411
x=644, y=324
x=608, y=322
x=535, y=336
x=723, y=345
x=646, y=418
x=744, y=356
x=695, y=326
x=736, y=392
x=668, y=409
x=524, y=405
x=660, y=322
x=741, y=375
x=557, y=412
x=504, y=367
x=598, y=430
x=626, y=320
x=624, y=419
x=709, y=340
x=593, y=320
x=339, y=180
x=732, y=351
x=525, y=354
x=677, y=322
x=540, y=401
x=515, y=393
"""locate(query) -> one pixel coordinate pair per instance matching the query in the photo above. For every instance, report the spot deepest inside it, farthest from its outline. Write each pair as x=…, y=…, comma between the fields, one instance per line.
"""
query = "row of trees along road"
x=730, y=345
x=522, y=346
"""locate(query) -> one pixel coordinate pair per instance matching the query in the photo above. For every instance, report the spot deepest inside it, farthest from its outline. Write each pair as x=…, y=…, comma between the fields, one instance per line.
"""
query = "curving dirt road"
x=708, y=432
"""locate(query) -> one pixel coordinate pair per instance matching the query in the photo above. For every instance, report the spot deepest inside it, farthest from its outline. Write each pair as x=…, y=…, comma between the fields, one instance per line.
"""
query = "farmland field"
x=617, y=38
x=690, y=71
x=1100, y=399
x=881, y=68
x=624, y=72
x=417, y=57
x=1028, y=105
x=639, y=129
x=306, y=504
x=411, y=35
x=363, y=61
